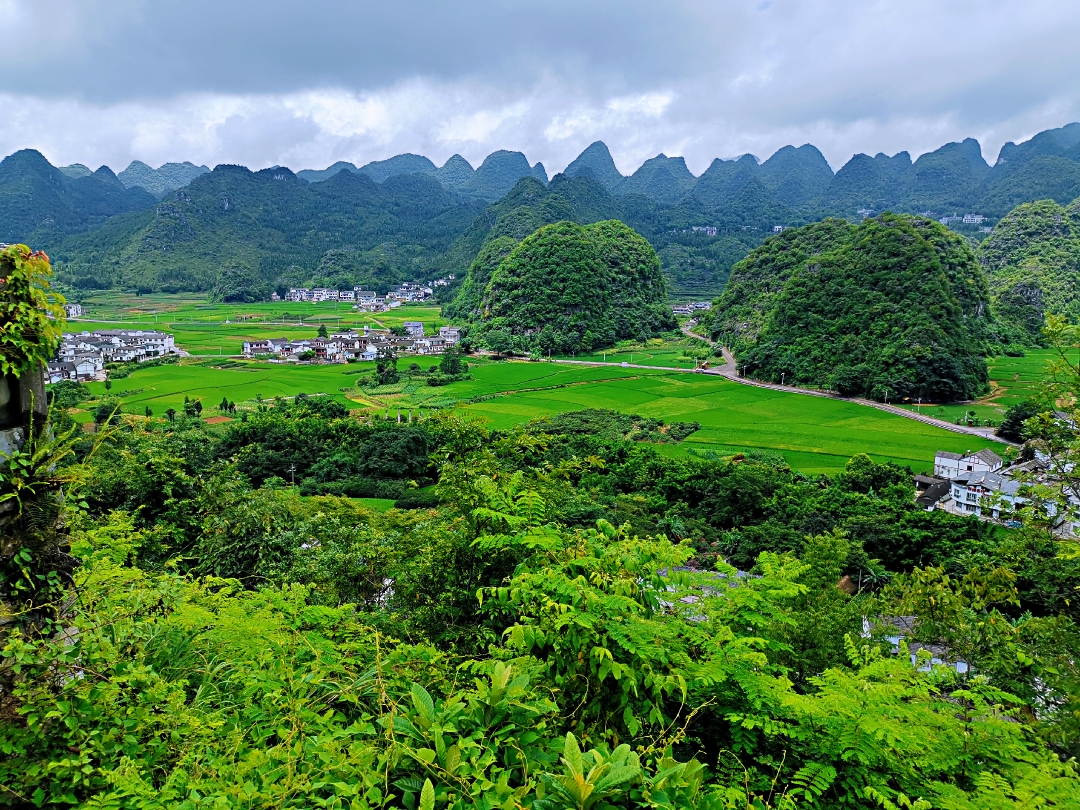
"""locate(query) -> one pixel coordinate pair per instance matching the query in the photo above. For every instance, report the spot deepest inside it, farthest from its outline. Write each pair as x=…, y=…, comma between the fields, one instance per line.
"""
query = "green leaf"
x=427, y=796
x=572, y=754
x=425, y=706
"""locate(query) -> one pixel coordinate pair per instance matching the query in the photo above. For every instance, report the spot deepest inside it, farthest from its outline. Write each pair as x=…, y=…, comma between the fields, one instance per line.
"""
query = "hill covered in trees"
x=344, y=231
x=570, y=287
x=40, y=204
x=898, y=303
x=1032, y=263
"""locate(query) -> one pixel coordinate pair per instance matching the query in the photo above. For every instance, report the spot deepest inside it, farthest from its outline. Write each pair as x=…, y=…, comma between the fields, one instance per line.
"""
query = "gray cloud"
x=106, y=81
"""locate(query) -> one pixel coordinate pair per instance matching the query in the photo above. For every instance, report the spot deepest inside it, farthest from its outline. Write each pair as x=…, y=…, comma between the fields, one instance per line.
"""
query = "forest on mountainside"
x=1032, y=264
x=897, y=304
x=421, y=220
x=574, y=288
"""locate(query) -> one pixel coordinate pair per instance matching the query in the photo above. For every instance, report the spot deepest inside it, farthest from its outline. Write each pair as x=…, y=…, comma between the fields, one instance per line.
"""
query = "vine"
x=32, y=318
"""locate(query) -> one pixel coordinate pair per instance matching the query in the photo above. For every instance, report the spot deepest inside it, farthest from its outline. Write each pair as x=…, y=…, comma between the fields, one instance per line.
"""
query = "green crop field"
x=164, y=387
x=1012, y=379
x=814, y=434
x=204, y=328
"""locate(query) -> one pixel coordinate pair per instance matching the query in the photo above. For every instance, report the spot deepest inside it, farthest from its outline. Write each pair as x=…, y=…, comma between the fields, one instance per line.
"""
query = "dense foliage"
x=1031, y=259
x=897, y=303
x=559, y=632
x=570, y=287
x=31, y=317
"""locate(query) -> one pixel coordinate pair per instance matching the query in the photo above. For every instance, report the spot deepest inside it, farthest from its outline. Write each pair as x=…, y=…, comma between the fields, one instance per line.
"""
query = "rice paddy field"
x=1012, y=379
x=816, y=435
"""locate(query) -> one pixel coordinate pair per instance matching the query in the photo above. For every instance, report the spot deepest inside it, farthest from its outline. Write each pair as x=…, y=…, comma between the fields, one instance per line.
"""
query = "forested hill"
x=695, y=261
x=799, y=184
x=571, y=287
x=492, y=180
x=40, y=204
x=896, y=304
x=1032, y=263
x=344, y=231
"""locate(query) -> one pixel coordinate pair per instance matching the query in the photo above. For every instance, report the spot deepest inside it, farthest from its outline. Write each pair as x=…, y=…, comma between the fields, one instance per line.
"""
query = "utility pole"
x=886, y=396
x=783, y=376
x=292, y=474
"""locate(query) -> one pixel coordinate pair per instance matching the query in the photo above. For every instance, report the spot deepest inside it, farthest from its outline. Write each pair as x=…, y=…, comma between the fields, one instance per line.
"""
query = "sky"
x=271, y=82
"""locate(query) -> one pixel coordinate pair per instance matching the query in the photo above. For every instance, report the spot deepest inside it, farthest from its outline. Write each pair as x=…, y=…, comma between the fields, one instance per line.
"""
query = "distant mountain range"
x=170, y=227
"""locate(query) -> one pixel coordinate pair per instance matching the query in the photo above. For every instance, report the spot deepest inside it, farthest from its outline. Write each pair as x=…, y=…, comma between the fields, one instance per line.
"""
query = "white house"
x=451, y=334
x=950, y=465
x=414, y=328
x=73, y=310
x=983, y=494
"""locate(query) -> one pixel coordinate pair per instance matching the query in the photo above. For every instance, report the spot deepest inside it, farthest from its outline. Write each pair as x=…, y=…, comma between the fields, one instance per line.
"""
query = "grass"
x=204, y=328
x=1012, y=380
x=814, y=434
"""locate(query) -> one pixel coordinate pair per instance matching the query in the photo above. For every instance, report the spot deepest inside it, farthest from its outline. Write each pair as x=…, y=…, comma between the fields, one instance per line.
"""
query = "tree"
x=386, y=372
x=322, y=331
x=148, y=412
x=224, y=406
x=451, y=362
x=170, y=414
x=1012, y=426
x=499, y=341
x=238, y=283
x=107, y=411
x=108, y=384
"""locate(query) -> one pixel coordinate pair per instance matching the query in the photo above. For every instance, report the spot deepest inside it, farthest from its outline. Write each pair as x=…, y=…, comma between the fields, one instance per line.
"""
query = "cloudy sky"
x=303, y=84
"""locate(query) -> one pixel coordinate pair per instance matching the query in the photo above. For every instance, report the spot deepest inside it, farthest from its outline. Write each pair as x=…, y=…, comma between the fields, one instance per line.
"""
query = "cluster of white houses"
x=981, y=485
x=346, y=346
x=83, y=356
x=367, y=300
x=690, y=307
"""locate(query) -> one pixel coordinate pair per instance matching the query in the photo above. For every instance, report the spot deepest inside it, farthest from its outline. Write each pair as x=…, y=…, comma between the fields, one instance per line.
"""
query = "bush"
x=417, y=499
x=1013, y=350
x=1012, y=426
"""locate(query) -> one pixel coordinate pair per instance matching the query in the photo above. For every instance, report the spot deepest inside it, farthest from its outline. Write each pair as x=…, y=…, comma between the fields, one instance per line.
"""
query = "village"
x=981, y=485
x=84, y=356
x=345, y=347
x=410, y=292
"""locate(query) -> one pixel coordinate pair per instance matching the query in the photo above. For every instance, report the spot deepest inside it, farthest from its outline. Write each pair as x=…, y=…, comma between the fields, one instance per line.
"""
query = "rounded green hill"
x=571, y=287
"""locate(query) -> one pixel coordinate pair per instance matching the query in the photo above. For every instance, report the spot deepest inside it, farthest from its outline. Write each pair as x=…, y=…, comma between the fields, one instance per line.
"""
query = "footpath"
x=729, y=371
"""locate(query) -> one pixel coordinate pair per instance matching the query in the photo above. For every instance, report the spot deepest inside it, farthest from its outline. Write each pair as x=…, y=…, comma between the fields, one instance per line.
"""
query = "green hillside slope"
x=897, y=303
x=40, y=204
x=1032, y=263
x=278, y=225
x=571, y=287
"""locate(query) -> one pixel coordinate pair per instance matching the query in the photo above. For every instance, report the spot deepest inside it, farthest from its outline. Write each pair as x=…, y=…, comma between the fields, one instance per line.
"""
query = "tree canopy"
x=571, y=287
x=897, y=303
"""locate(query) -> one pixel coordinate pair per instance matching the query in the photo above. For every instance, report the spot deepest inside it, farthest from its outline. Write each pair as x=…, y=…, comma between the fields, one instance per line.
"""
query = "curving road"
x=729, y=371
